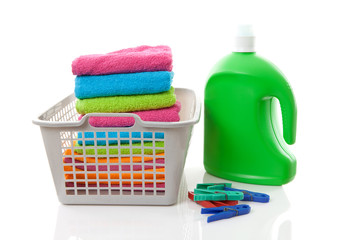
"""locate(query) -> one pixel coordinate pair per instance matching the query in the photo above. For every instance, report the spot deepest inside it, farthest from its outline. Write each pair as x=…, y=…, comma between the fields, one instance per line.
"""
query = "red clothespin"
x=211, y=204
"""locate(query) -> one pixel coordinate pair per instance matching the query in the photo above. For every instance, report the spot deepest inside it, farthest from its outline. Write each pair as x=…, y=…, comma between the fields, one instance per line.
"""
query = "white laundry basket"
x=138, y=165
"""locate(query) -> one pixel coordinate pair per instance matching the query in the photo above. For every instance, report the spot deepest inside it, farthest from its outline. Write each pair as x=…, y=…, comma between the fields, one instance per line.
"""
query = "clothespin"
x=225, y=203
x=211, y=186
x=225, y=212
x=248, y=195
x=251, y=196
x=205, y=204
x=211, y=204
x=216, y=195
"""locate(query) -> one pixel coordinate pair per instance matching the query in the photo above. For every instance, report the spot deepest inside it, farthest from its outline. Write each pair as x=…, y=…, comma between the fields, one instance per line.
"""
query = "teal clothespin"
x=216, y=195
x=213, y=186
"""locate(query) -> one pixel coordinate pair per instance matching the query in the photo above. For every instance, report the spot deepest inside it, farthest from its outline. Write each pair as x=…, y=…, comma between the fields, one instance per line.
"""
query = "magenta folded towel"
x=130, y=60
x=170, y=114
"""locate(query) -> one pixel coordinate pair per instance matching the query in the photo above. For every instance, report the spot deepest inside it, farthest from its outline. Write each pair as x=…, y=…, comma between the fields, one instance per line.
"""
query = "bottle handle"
x=289, y=113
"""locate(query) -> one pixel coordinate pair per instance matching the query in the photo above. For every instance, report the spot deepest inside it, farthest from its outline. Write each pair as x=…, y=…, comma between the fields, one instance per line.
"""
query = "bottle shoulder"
x=249, y=64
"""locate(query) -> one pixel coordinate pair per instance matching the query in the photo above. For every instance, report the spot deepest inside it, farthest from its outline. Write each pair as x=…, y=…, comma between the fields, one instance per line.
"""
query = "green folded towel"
x=129, y=103
x=124, y=151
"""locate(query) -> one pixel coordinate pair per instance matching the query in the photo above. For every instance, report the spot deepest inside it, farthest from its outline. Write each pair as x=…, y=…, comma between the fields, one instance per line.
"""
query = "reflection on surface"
x=180, y=221
x=125, y=222
x=265, y=221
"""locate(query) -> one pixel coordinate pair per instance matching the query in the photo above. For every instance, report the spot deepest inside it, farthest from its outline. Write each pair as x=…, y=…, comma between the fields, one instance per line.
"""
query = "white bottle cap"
x=245, y=39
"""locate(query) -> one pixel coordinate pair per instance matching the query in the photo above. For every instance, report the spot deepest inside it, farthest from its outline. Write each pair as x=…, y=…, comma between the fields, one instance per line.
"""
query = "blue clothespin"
x=225, y=212
x=251, y=196
x=248, y=195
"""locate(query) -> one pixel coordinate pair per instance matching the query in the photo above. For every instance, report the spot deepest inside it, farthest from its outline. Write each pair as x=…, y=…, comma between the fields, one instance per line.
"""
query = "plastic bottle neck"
x=244, y=44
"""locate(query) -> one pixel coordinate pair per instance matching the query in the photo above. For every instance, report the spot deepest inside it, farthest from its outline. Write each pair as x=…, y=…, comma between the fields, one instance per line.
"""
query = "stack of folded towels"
x=135, y=80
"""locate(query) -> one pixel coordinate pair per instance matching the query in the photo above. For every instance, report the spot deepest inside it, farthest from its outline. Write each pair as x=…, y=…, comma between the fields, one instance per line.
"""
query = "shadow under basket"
x=138, y=165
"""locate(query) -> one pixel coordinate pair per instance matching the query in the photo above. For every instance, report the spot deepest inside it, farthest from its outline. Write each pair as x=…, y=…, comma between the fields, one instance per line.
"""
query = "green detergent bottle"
x=243, y=141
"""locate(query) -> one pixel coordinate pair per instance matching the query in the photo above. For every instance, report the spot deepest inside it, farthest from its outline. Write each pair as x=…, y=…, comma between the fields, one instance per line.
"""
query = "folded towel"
x=122, y=84
x=139, y=59
x=126, y=103
x=113, y=135
x=170, y=114
x=78, y=158
x=125, y=149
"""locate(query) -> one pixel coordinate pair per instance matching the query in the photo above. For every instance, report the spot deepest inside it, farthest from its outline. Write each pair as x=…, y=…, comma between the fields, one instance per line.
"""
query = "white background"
x=308, y=40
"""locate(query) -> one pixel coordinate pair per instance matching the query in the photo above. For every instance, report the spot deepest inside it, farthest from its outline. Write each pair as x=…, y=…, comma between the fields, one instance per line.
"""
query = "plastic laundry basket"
x=140, y=165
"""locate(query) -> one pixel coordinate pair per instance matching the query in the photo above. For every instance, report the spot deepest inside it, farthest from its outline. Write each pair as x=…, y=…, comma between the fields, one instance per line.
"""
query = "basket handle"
x=86, y=117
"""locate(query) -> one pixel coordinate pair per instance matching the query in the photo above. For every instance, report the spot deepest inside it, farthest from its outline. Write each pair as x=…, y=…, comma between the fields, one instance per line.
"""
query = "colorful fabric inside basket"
x=149, y=168
x=124, y=137
x=122, y=149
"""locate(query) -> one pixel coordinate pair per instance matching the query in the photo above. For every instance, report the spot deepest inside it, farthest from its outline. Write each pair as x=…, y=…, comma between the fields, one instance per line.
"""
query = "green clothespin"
x=216, y=195
x=213, y=186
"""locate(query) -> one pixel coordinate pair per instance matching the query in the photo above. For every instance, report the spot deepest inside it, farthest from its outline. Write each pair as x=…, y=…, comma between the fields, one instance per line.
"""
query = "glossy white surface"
x=180, y=221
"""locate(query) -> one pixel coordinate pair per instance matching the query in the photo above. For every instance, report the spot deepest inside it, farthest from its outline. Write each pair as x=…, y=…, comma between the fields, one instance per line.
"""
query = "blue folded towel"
x=122, y=84
x=124, y=136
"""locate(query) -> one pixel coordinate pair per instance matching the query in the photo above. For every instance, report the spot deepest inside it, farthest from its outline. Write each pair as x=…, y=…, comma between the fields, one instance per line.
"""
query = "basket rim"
x=195, y=119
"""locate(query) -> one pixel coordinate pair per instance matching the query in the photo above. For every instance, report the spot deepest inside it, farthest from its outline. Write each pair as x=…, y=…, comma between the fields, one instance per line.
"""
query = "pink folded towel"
x=170, y=114
x=130, y=60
